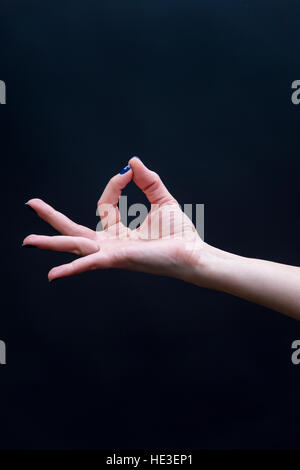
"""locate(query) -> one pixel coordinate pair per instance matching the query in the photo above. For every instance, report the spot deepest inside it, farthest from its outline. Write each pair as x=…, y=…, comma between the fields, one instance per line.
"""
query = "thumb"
x=150, y=183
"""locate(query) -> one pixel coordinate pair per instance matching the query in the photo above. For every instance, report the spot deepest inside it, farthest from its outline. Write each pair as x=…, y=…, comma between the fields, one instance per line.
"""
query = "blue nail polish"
x=127, y=168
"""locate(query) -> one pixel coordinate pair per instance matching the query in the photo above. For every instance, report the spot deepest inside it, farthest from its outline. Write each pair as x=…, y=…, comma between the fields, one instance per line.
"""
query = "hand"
x=166, y=243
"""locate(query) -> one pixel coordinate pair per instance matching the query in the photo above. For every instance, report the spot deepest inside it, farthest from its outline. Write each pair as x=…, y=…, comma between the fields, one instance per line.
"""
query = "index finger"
x=107, y=204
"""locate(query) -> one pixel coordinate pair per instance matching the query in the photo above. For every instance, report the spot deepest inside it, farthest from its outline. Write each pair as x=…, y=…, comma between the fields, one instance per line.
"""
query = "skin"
x=167, y=243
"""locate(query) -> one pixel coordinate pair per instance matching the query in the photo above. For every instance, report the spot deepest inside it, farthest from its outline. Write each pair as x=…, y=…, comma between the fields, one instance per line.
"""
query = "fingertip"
x=135, y=161
x=27, y=241
x=138, y=168
x=125, y=176
x=126, y=169
x=35, y=205
x=141, y=173
x=33, y=201
x=136, y=157
x=53, y=274
x=31, y=238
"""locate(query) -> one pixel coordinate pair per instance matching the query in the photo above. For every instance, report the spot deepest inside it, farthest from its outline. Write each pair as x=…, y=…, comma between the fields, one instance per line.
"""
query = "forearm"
x=273, y=285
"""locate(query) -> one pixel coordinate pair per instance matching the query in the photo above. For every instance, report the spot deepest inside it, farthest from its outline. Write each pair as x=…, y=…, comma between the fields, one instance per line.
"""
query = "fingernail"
x=125, y=169
x=24, y=245
x=135, y=156
x=30, y=208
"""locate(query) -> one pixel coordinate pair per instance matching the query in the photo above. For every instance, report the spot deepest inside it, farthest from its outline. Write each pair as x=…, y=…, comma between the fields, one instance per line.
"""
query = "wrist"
x=210, y=267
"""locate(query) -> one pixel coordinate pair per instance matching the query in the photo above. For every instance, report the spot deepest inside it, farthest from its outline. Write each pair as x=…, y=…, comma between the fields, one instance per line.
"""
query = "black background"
x=201, y=91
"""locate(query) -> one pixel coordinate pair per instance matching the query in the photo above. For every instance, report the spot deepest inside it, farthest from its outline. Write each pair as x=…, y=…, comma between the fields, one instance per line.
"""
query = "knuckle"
x=154, y=183
x=93, y=266
x=155, y=177
x=114, y=180
x=78, y=249
x=49, y=212
x=72, y=267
